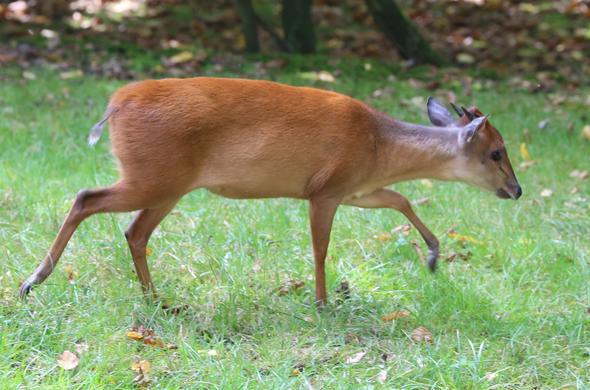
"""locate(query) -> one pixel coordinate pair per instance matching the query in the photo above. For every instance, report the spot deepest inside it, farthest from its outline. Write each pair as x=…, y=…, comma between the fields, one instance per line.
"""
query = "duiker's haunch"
x=258, y=139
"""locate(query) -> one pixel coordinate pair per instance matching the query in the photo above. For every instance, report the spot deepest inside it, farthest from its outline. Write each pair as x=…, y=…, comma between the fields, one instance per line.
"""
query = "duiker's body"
x=258, y=139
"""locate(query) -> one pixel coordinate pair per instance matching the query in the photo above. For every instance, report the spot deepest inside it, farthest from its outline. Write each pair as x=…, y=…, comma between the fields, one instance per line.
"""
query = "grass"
x=513, y=314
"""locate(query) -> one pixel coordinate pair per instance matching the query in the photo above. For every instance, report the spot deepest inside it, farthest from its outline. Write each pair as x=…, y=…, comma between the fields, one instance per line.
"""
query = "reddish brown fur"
x=258, y=139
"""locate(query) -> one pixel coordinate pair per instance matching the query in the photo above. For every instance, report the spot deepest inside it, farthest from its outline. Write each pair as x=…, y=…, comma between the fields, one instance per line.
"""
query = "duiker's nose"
x=518, y=192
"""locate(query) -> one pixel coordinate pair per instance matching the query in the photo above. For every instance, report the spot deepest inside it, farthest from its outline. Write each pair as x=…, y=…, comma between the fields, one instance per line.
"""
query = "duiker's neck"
x=410, y=151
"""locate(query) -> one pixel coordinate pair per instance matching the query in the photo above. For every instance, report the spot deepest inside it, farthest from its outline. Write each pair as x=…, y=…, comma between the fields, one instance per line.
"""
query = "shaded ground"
x=545, y=41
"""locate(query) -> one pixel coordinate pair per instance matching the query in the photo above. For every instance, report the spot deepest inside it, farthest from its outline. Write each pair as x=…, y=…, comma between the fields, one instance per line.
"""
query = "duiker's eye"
x=496, y=155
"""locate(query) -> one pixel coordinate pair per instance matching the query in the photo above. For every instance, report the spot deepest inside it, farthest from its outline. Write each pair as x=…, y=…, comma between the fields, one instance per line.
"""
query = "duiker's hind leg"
x=138, y=234
x=117, y=198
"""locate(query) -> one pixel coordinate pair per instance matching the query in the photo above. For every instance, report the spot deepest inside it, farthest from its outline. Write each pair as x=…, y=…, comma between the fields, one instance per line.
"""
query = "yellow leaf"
x=181, y=57
x=142, y=366
x=586, y=132
x=134, y=335
x=524, y=152
x=395, y=315
x=148, y=251
x=383, y=237
x=463, y=238
x=295, y=372
x=68, y=360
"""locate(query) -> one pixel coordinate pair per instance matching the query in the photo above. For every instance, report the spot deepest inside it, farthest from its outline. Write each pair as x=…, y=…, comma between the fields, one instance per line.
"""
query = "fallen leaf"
x=382, y=376
x=574, y=190
x=295, y=372
x=405, y=229
x=257, y=265
x=395, y=315
x=135, y=335
x=543, y=124
x=154, y=341
x=582, y=175
x=421, y=201
x=421, y=334
x=383, y=237
x=29, y=75
x=68, y=360
x=462, y=238
x=183, y=56
x=212, y=353
x=426, y=183
x=81, y=348
x=524, y=152
x=357, y=357
x=586, y=132
x=523, y=166
x=148, y=251
x=419, y=252
x=71, y=74
x=326, y=76
x=290, y=286
x=490, y=376
x=70, y=273
x=546, y=193
x=143, y=368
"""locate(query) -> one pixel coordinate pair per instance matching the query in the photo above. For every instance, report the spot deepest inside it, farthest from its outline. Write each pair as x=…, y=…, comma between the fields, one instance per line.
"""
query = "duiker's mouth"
x=503, y=194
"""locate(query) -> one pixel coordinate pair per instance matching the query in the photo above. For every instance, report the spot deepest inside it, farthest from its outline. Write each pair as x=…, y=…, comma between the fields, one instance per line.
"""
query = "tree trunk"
x=402, y=32
x=298, y=26
x=249, y=25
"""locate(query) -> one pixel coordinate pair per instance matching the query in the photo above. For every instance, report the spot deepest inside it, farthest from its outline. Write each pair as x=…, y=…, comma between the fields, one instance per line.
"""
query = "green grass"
x=517, y=307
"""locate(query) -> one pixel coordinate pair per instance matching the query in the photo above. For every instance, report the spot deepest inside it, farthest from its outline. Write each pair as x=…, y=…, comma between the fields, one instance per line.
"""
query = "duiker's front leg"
x=384, y=198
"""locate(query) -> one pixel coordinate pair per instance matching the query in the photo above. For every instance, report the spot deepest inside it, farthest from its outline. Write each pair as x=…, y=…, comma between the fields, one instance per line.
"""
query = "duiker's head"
x=483, y=158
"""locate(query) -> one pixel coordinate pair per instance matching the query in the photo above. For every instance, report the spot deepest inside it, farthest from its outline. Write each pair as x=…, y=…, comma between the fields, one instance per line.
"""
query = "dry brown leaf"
x=546, y=193
x=395, y=315
x=68, y=360
x=290, y=286
x=70, y=273
x=142, y=368
x=405, y=229
x=154, y=341
x=421, y=334
x=357, y=357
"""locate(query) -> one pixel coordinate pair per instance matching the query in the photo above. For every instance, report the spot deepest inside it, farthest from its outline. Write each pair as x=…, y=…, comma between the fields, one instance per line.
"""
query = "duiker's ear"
x=437, y=113
x=467, y=132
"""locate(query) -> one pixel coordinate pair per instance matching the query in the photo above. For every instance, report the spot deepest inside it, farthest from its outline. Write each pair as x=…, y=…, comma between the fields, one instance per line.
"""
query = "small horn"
x=456, y=109
x=469, y=114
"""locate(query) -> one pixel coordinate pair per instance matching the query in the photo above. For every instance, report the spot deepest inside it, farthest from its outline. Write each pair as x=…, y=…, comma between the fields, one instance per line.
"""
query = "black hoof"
x=25, y=289
x=432, y=256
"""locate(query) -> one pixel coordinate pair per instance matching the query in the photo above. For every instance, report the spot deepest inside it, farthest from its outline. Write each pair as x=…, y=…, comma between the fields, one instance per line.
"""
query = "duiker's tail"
x=96, y=130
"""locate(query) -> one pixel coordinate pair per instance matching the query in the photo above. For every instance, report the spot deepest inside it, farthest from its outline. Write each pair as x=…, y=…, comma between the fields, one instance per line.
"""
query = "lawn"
x=508, y=308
